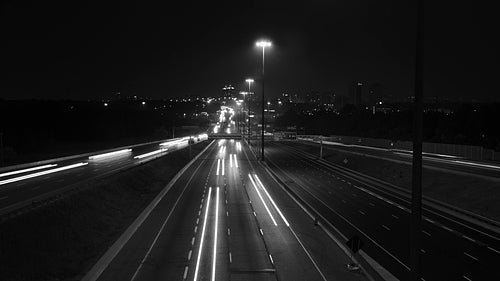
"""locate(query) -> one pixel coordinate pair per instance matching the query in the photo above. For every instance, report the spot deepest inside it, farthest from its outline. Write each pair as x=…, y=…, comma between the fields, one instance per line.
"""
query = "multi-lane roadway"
x=453, y=248
x=225, y=218
x=22, y=186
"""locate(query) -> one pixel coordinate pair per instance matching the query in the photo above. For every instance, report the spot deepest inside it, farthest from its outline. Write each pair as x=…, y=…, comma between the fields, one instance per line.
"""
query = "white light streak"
x=218, y=166
x=109, y=154
x=222, y=166
x=42, y=173
x=214, y=259
x=149, y=154
x=27, y=170
x=202, y=237
x=272, y=201
x=235, y=161
x=262, y=199
x=230, y=160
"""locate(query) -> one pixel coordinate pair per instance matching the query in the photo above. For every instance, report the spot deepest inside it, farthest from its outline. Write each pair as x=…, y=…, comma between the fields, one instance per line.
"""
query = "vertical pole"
x=416, y=192
x=320, y=146
x=263, y=119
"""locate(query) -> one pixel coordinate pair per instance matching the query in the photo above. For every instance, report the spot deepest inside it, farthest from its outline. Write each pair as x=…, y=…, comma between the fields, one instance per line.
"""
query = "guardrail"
x=466, y=151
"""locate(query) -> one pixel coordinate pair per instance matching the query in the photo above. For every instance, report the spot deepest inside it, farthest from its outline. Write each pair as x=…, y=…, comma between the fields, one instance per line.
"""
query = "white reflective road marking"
x=202, y=237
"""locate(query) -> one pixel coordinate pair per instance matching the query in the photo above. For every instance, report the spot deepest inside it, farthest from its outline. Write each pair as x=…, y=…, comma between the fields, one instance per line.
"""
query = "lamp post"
x=249, y=81
x=263, y=44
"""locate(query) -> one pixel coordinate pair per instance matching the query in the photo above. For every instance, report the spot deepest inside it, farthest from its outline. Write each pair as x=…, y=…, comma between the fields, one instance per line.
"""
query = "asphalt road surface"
x=226, y=218
x=452, y=249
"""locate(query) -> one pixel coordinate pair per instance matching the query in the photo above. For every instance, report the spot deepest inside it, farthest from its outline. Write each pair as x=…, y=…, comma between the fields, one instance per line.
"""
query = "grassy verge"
x=476, y=195
x=61, y=241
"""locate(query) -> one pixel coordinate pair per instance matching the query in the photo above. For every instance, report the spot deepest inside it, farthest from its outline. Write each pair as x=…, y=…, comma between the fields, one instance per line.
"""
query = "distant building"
x=227, y=92
x=356, y=94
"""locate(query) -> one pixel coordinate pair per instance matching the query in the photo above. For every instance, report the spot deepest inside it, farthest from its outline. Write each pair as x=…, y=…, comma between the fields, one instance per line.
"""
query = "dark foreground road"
x=453, y=249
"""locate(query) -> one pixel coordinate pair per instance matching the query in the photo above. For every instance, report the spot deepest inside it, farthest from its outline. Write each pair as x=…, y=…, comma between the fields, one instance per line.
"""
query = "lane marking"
x=214, y=258
x=394, y=216
x=361, y=212
x=262, y=199
x=494, y=250
x=470, y=256
x=271, y=258
x=202, y=237
x=466, y=278
x=386, y=227
x=426, y=233
x=230, y=258
x=185, y=272
x=189, y=254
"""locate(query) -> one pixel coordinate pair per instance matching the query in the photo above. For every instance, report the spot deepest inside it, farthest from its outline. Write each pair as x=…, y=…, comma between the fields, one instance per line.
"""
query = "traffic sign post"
x=355, y=244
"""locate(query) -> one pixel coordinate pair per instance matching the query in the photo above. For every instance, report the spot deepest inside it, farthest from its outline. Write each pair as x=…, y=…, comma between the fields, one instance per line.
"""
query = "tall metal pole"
x=416, y=192
x=263, y=119
x=248, y=107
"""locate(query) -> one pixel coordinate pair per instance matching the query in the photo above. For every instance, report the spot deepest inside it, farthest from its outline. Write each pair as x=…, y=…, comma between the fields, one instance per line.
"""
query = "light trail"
x=27, y=170
x=43, y=173
x=476, y=164
x=222, y=166
x=218, y=166
x=235, y=161
x=262, y=199
x=200, y=250
x=230, y=160
x=149, y=154
x=214, y=259
x=109, y=154
x=272, y=201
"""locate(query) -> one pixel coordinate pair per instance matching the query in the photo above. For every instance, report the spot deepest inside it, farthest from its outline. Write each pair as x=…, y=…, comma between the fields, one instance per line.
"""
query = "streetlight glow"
x=263, y=43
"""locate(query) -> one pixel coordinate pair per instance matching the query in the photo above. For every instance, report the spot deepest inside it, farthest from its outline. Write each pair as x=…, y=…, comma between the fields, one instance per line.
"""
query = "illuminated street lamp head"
x=249, y=80
x=243, y=93
x=263, y=43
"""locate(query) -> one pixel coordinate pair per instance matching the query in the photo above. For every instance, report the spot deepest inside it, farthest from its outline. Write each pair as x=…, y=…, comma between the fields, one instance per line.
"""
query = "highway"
x=433, y=161
x=20, y=187
x=453, y=249
x=226, y=218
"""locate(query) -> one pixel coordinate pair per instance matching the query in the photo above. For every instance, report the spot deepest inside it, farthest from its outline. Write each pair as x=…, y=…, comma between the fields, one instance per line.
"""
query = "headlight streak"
x=109, y=154
x=202, y=236
x=262, y=199
x=218, y=166
x=230, y=160
x=272, y=201
x=214, y=258
x=27, y=170
x=235, y=161
x=149, y=153
x=43, y=173
x=222, y=166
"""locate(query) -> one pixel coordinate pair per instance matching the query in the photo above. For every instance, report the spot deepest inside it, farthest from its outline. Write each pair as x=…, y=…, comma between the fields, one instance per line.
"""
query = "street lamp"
x=249, y=81
x=263, y=44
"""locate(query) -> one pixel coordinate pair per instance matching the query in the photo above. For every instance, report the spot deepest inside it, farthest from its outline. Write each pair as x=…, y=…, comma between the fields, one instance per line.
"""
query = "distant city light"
x=143, y=103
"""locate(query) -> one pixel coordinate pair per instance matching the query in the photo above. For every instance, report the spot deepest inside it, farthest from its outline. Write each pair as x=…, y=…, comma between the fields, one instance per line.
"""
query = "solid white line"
x=272, y=201
x=218, y=166
x=470, y=256
x=262, y=199
x=43, y=173
x=27, y=170
x=222, y=166
x=214, y=259
x=202, y=237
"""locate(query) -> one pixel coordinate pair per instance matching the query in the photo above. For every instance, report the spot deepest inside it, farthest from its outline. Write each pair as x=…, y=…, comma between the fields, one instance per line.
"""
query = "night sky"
x=89, y=50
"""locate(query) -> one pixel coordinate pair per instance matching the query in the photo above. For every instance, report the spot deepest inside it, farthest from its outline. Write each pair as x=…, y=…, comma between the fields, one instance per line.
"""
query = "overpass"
x=224, y=136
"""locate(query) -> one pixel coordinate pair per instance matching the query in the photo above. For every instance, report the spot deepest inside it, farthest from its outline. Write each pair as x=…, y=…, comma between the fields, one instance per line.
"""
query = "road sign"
x=355, y=244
